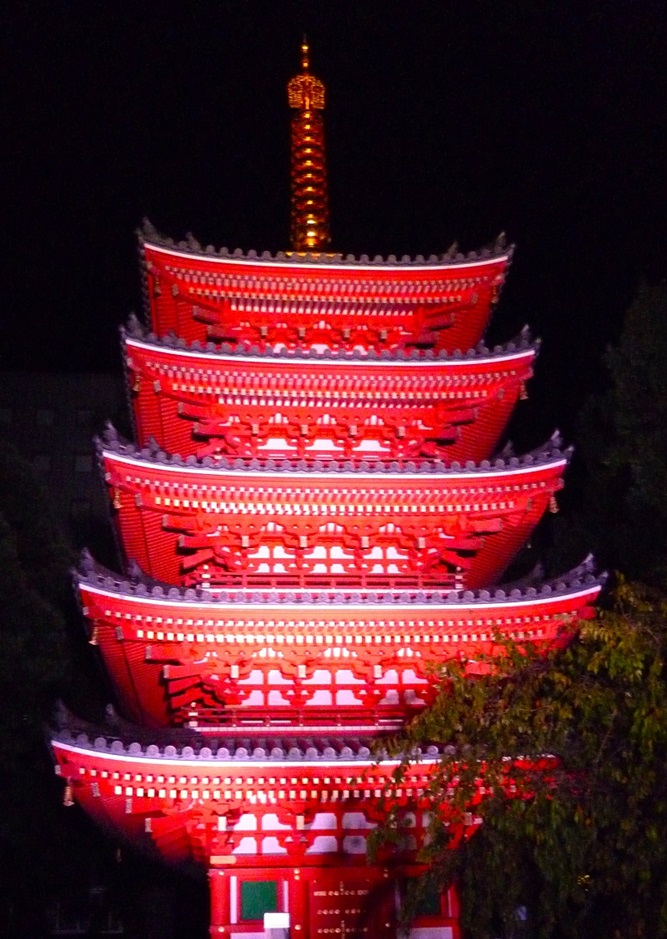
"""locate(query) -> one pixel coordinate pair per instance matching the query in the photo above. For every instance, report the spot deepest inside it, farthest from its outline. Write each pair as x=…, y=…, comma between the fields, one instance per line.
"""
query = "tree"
x=40, y=848
x=579, y=843
x=622, y=434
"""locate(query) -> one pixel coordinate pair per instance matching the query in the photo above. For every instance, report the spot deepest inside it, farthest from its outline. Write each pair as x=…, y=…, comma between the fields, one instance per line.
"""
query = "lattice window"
x=257, y=898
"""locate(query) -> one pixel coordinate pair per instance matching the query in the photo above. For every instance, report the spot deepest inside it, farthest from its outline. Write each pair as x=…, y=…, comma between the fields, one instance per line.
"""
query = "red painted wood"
x=242, y=406
x=193, y=525
x=281, y=696
x=343, y=305
x=389, y=648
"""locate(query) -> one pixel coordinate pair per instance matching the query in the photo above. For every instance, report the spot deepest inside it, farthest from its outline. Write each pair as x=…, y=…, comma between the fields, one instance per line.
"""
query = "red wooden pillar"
x=299, y=905
x=220, y=912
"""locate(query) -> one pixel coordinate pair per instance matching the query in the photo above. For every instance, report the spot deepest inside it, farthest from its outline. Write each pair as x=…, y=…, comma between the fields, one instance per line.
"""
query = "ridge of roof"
x=118, y=737
x=134, y=330
x=499, y=248
x=551, y=451
x=137, y=584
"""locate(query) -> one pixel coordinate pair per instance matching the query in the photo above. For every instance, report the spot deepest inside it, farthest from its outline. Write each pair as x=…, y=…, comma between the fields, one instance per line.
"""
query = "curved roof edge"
x=137, y=332
x=552, y=451
x=137, y=584
x=119, y=738
x=149, y=235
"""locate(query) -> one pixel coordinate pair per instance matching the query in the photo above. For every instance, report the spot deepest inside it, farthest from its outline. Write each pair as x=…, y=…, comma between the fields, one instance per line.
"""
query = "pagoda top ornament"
x=304, y=91
x=309, y=199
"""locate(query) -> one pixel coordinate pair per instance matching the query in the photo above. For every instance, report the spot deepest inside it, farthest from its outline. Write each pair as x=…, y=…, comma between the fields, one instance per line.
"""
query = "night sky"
x=445, y=121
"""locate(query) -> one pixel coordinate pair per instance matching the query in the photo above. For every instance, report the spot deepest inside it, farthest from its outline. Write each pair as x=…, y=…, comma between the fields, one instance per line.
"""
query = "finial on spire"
x=305, y=53
x=310, y=209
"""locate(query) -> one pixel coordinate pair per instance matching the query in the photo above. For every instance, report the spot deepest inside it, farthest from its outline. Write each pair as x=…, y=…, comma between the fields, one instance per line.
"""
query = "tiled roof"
x=550, y=452
x=498, y=249
x=135, y=331
x=532, y=588
x=117, y=737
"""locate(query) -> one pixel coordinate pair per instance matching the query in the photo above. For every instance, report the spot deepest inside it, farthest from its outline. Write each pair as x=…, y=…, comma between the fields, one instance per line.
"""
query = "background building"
x=50, y=418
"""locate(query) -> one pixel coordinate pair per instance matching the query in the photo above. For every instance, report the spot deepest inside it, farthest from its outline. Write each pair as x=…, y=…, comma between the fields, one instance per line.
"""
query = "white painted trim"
x=282, y=476
x=285, y=608
x=233, y=899
x=317, y=361
x=389, y=267
x=260, y=764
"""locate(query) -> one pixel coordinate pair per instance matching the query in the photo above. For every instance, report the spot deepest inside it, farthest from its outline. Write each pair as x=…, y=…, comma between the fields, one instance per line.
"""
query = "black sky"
x=445, y=120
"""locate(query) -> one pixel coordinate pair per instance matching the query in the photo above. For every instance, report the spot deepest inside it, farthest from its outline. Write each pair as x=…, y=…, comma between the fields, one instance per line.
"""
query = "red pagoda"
x=311, y=518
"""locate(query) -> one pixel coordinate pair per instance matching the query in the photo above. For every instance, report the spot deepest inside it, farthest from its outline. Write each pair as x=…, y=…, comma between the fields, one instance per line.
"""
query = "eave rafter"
x=313, y=406
x=220, y=523
x=214, y=660
x=193, y=803
x=444, y=303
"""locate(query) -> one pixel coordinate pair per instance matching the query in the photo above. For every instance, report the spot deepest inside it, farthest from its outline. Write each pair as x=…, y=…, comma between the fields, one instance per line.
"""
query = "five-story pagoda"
x=310, y=517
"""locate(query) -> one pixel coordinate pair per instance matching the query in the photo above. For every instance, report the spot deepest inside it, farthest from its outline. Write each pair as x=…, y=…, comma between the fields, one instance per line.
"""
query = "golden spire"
x=310, y=205
x=305, y=54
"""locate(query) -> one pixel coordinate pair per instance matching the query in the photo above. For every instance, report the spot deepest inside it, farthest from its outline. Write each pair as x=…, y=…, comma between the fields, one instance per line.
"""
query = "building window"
x=257, y=898
x=83, y=463
x=5, y=416
x=44, y=417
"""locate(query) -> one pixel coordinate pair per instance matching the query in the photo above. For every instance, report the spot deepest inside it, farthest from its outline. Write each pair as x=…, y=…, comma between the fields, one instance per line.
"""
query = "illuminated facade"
x=310, y=517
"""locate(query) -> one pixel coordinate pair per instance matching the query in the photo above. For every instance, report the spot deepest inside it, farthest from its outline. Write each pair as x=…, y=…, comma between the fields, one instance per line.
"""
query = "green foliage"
x=40, y=844
x=622, y=439
x=579, y=839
